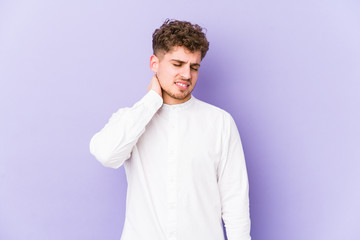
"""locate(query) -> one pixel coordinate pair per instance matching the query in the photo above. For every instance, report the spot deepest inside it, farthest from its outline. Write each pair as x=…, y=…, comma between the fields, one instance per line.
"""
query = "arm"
x=114, y=143
x=234, y=186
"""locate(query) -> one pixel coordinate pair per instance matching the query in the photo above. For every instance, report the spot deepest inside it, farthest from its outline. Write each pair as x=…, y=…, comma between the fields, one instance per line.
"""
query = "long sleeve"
x=114, y=143
x=233, y=185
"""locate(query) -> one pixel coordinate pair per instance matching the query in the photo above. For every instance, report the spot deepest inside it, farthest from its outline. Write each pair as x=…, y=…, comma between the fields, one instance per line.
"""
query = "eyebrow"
x=182, y=62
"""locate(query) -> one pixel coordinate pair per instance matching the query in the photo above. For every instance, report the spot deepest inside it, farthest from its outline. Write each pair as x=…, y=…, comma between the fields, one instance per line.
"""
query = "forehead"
x=183, y=54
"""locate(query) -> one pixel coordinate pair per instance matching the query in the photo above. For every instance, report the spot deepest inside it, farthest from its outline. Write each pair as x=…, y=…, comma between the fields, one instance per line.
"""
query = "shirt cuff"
x=152, y=100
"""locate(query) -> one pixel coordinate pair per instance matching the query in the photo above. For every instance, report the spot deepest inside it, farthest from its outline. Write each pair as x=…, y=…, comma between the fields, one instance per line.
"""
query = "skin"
x=176, y=67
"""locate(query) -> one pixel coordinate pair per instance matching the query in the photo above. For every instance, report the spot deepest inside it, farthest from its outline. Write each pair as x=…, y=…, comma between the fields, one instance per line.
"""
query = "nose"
x=185, y=72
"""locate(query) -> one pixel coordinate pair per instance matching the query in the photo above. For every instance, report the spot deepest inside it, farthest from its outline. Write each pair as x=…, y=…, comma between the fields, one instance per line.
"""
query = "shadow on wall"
x=209, y=86
x=215, y=84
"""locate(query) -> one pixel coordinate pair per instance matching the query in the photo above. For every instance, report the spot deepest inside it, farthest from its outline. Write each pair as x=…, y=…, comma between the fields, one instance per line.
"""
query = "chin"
x=179, y=96
x=183, y=96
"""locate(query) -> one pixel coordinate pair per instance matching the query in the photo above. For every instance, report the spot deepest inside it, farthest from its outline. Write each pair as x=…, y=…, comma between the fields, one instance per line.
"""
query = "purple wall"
x=288, y=72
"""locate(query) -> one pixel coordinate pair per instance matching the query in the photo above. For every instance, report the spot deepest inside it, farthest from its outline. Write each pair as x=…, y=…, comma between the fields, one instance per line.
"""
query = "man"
x=183, y=158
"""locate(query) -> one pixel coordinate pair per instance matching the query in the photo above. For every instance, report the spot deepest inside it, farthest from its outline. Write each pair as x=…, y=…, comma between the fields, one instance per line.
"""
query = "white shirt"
x=185, y=170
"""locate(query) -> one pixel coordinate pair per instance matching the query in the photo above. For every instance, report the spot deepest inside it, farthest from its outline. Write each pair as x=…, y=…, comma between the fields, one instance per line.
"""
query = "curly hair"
x=173, y=33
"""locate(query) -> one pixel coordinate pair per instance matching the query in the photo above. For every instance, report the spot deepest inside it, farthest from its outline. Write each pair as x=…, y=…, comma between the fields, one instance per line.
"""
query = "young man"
x=183, y=158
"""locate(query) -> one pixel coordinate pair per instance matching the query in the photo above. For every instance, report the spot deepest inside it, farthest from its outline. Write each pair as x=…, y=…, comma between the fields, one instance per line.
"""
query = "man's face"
x=178, y=71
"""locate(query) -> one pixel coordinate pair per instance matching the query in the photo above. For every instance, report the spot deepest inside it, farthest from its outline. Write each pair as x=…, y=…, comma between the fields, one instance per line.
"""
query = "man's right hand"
x=155, y=85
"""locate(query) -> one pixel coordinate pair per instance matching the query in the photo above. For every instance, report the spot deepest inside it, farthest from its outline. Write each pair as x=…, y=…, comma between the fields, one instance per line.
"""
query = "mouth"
x=182, y=84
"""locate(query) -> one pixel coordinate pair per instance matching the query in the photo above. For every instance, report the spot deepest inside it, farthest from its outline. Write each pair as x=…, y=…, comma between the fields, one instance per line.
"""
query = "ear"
x=154, y=63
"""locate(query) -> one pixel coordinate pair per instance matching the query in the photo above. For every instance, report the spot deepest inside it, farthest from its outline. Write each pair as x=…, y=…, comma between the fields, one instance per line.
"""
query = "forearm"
x=234, y=186
x=113, y=144
x=235, y=212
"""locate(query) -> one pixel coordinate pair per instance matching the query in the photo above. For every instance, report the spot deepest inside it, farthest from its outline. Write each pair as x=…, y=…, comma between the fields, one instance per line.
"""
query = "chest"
x=195, y=141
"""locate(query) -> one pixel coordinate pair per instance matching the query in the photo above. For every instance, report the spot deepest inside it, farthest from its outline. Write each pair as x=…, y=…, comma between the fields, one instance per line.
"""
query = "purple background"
x=288, y=72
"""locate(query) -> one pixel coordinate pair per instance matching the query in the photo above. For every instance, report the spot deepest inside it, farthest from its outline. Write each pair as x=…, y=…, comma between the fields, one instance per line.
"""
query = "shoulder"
x=215, y=115
x=207, y=109
x=218, y=120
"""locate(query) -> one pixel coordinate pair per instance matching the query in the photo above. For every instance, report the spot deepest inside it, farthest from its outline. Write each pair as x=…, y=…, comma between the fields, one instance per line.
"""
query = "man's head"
x=178, y=48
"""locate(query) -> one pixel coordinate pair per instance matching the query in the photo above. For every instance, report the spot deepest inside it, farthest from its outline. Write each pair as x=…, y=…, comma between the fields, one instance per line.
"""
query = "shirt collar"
x=180, y=105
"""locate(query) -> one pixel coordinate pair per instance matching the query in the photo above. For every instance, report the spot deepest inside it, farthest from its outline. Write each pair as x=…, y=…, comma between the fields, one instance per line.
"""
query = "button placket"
x=172, y=175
